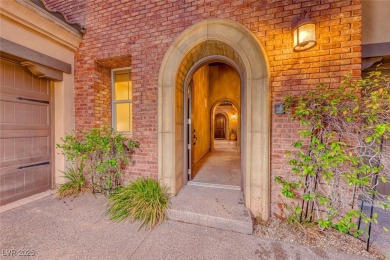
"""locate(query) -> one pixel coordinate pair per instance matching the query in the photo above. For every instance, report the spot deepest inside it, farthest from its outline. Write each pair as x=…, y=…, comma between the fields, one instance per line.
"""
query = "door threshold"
x=213, y=185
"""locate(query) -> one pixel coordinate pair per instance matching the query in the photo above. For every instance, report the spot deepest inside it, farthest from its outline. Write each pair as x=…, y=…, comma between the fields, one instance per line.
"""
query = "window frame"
x=113, y=101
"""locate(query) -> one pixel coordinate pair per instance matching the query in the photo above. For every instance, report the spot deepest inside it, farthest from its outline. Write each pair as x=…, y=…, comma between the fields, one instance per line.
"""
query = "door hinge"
x=189, y=147
x=189, y=171
x=189, y=121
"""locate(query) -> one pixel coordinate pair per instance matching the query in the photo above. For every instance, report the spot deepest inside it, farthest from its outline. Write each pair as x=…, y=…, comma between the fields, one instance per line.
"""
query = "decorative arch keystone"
x=218, y=38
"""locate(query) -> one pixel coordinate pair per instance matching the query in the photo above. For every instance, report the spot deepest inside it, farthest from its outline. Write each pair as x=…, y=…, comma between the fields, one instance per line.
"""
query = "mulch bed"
x=277, y=229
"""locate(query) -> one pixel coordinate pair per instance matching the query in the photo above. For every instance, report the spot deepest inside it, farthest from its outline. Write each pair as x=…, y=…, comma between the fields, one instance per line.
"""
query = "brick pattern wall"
x=102, y=87
x=144, y=30
x=73, y=10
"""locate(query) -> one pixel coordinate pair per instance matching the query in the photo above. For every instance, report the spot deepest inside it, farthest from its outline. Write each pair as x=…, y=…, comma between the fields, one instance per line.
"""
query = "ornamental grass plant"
x=75, y=183
x=143, y=200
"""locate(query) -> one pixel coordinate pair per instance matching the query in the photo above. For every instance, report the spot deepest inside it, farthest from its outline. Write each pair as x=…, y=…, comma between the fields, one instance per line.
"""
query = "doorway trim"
x=230, y=39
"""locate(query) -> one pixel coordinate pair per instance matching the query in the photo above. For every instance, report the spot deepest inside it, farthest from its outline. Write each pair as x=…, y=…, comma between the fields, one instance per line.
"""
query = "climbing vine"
x=343, y=151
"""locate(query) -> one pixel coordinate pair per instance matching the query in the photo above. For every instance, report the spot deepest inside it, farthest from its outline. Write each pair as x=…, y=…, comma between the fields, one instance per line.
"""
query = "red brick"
x=138, y=34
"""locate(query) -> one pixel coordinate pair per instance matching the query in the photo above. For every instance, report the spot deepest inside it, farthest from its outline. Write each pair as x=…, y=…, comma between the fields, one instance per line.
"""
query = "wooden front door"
x=25, y=133
x=220, y=122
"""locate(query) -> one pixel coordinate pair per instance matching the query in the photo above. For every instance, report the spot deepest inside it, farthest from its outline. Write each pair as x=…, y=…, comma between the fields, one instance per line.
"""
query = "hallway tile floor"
x=221, y=166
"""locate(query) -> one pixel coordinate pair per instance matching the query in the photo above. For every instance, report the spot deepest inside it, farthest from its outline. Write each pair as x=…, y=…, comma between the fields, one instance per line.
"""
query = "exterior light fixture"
x=234, y=115
x=304, y=33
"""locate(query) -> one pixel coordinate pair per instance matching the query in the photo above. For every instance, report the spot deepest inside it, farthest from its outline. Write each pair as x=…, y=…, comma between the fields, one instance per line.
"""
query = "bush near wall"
x=340, y=156
x=100, y=154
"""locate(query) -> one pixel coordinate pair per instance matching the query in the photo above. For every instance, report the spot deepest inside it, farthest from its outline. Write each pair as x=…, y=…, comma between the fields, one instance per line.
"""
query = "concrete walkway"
x=79, y=229
x=221, y=166
x=212, y=207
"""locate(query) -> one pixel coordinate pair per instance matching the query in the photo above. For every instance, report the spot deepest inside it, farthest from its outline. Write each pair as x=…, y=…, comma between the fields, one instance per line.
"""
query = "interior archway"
x=233, y=43
x=221, y=125
x=212, y=111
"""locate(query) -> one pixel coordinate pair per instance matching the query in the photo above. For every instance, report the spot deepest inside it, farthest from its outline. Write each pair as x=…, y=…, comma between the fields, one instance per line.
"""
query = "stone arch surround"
x=222, y=38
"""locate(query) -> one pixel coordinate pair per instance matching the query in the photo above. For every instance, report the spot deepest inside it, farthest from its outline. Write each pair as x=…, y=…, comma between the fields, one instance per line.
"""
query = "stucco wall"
x=375, y=21
x=211, y=84
x=224, y=84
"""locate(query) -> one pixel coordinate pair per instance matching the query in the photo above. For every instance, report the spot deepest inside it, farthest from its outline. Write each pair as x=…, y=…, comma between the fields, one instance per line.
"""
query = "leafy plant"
x=102, y=153
x=340, y=153
x=142, y=200
x=75, y=184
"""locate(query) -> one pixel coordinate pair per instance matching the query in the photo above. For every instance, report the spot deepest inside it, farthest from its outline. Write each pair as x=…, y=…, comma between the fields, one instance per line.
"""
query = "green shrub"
x=142, y=200
x=102, y=153
x=75, y=184
x=339, y=155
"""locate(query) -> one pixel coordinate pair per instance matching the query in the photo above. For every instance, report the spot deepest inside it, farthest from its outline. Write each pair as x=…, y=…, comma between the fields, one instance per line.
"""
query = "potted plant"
x=233, y=135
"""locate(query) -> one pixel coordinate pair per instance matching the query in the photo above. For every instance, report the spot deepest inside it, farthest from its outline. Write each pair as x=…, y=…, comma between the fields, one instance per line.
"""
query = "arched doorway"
x=213, y=158
x=225, y=41
x=220, y=126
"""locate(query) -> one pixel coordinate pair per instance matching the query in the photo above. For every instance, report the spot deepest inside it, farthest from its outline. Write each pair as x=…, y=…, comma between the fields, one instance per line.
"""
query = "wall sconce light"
x=234, y=116
x=304, y=33
x=279, y=109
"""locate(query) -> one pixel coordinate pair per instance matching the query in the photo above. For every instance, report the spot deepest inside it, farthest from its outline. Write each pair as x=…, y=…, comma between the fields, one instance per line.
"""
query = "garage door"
x=25, y=133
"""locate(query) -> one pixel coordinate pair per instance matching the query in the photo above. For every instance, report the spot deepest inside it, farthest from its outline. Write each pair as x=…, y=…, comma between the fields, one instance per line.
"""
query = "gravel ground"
x=277, y=229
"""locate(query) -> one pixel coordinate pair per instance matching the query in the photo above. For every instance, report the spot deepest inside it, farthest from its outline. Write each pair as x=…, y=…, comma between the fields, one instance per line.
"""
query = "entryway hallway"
x=214, y=197
x=221, y=167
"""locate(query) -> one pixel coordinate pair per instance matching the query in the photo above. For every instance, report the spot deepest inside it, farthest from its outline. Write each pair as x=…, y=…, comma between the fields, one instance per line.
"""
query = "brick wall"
x=73, y=10
x=144, y=29
x=102, y=96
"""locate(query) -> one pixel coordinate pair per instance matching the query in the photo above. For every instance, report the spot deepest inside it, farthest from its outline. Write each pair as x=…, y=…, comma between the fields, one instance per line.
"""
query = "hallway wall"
x=224, y=84
x=211, y=83
x=201, y=112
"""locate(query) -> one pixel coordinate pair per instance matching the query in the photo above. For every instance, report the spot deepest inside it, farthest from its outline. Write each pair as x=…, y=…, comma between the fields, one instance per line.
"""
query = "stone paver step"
x=212, y=207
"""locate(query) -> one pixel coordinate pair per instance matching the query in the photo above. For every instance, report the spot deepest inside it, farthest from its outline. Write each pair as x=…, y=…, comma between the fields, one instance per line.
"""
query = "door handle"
x=33, y=165
x=34, y=100
x=194, y=139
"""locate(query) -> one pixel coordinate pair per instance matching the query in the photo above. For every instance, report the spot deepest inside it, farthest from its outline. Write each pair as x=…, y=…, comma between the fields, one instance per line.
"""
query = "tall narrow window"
x=122, y=111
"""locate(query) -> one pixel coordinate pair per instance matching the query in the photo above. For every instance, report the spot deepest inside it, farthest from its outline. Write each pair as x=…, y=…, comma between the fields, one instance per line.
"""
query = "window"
x=122, y=111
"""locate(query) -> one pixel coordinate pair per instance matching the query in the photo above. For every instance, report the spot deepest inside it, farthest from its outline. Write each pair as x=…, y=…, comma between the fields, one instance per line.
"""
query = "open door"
x=191, y=133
